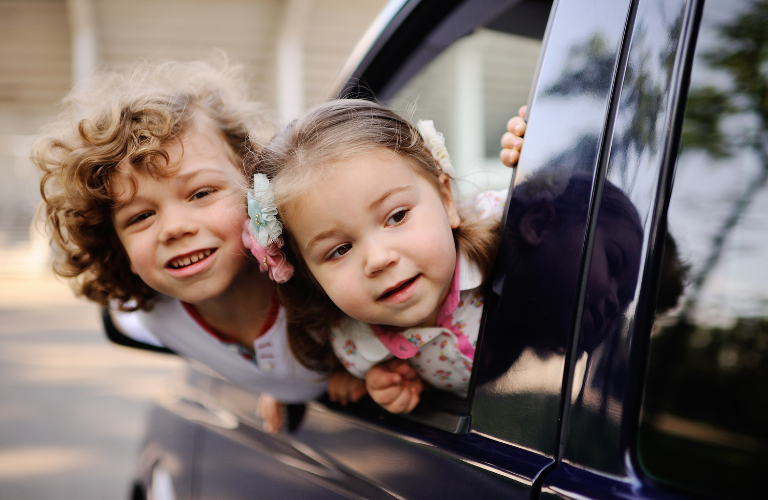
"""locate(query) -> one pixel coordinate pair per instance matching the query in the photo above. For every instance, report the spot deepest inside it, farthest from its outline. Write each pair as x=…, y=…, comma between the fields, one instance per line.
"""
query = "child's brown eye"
x=397, y=217
x=138, y=218
x=202, y=193
x=340, y=251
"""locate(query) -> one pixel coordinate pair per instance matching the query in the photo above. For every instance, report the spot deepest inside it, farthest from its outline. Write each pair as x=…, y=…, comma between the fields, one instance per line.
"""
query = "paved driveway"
x=72, y=405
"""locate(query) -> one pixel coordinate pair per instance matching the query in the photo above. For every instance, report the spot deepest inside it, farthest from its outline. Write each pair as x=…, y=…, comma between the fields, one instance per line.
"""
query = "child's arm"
x=512, y=140
x=344, y=387
x=394, y=385
x=270, y=410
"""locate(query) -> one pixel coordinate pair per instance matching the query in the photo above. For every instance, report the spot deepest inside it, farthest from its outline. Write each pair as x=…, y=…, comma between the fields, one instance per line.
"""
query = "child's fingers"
x=516, y=126
x=358, y=394
x=511, y=141
x=509, y=157
x=417, y=386
x=386, y=397
x=358, y=390
x=344, y=387
x=270, y=411
x=405, y=402
x=334, y=387
x=414, y=400
x=522, y=111
x=403, y=368
x=378, y=379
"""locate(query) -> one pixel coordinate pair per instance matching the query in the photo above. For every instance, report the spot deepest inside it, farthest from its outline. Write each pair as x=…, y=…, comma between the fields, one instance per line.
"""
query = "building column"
x=82, y=25
x=290, y=59
x=468, y=138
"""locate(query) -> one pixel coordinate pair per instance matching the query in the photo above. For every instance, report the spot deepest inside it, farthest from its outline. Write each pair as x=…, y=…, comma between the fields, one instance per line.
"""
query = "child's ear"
x=536, y=222
x=448, y=203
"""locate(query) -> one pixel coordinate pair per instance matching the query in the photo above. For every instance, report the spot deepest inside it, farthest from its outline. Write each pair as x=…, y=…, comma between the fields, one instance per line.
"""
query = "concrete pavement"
x=72, y=405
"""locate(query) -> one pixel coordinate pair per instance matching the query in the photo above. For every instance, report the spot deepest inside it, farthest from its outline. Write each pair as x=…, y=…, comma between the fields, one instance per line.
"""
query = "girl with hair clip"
x=143, y=186
x=389, y=269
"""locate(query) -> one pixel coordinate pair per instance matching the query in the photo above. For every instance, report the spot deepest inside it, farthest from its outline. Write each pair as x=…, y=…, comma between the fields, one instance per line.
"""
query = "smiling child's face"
x=377, y=238
x=182, y=232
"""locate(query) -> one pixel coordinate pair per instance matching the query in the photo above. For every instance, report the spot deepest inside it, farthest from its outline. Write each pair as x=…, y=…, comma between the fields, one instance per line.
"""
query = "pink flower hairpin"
x=262, y=232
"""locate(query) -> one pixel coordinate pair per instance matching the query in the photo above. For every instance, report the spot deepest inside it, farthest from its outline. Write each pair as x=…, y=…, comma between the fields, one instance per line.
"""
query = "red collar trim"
x=274, y=310
x=205, y=326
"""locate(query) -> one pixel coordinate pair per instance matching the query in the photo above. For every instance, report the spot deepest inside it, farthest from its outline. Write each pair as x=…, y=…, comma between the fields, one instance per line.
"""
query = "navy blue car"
x=624, y=346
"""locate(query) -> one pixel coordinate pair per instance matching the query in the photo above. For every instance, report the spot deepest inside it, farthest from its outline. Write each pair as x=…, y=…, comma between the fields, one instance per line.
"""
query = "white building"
x=292, y=49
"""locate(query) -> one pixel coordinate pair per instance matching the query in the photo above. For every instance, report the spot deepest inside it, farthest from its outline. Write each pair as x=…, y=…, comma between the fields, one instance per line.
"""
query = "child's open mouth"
x=402, y=287
x=189, y=259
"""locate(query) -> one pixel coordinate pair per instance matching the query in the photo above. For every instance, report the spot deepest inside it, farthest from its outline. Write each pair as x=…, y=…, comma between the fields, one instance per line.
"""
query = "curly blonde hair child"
x=127, y=117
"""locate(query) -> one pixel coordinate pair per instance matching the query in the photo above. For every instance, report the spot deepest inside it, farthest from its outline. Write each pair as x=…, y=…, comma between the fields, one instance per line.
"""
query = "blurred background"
x=72, y=405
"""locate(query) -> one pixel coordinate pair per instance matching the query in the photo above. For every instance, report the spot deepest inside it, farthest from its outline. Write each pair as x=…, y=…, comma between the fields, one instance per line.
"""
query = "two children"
x=143, y=189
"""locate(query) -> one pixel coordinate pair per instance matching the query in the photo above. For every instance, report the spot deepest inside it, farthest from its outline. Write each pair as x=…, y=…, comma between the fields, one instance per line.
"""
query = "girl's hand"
x=270, y=411
x=512, y=140
x=344, y=387
x=394, y=385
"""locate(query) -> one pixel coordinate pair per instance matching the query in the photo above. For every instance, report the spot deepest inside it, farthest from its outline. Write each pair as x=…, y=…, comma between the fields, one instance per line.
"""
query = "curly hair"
x=305, y=151
x=126, y=118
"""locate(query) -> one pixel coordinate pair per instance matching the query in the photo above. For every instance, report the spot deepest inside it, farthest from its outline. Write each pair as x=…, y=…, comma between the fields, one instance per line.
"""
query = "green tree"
x=743, y=57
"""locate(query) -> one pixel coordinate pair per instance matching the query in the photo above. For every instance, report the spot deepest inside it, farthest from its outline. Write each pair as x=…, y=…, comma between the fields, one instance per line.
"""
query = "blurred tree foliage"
x=715, y=377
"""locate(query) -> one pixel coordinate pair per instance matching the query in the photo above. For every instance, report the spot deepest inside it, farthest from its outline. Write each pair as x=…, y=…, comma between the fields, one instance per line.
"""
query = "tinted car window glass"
x=532, y=299
x=602, y=393
x=705, y=406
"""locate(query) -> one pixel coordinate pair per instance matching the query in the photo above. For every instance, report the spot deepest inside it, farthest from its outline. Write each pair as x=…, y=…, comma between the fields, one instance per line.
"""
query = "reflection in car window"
x=600, y=392
x=706, y=401
x=532, y=303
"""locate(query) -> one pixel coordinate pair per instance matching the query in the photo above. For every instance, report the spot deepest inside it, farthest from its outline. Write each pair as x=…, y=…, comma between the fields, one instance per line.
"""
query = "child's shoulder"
x=491, y=203
x=356, y=346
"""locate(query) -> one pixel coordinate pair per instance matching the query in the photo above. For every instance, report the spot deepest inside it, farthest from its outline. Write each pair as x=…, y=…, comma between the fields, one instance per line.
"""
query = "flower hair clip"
x=435, y=142
x=262, y=232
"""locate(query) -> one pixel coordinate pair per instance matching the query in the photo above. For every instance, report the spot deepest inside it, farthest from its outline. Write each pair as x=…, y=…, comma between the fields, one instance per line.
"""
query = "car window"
x=704, y=410
x=470, y=75
x=470, y=91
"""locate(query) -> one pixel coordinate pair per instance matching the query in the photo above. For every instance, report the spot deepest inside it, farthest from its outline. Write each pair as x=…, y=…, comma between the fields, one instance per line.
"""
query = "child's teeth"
x=190, y=259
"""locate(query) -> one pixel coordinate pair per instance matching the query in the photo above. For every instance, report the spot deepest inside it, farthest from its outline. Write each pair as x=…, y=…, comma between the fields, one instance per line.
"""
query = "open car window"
x=470, y=75
x=470, y=91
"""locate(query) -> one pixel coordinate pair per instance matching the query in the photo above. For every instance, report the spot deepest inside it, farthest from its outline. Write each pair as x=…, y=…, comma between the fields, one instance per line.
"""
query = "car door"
x=693, y=424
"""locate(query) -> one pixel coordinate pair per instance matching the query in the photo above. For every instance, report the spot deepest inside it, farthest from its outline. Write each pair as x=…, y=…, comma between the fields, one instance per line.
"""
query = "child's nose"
x=177, y=225
x=378, y=258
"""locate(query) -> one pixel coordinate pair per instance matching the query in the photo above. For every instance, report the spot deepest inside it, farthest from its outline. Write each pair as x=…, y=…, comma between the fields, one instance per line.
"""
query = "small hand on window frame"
x=512, y=140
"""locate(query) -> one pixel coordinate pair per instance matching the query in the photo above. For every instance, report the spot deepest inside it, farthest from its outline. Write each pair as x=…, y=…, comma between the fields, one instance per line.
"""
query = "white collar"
x=469, y=274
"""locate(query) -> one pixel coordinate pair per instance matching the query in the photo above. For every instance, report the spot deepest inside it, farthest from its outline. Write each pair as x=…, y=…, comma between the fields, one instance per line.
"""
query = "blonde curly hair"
x=127, y=117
